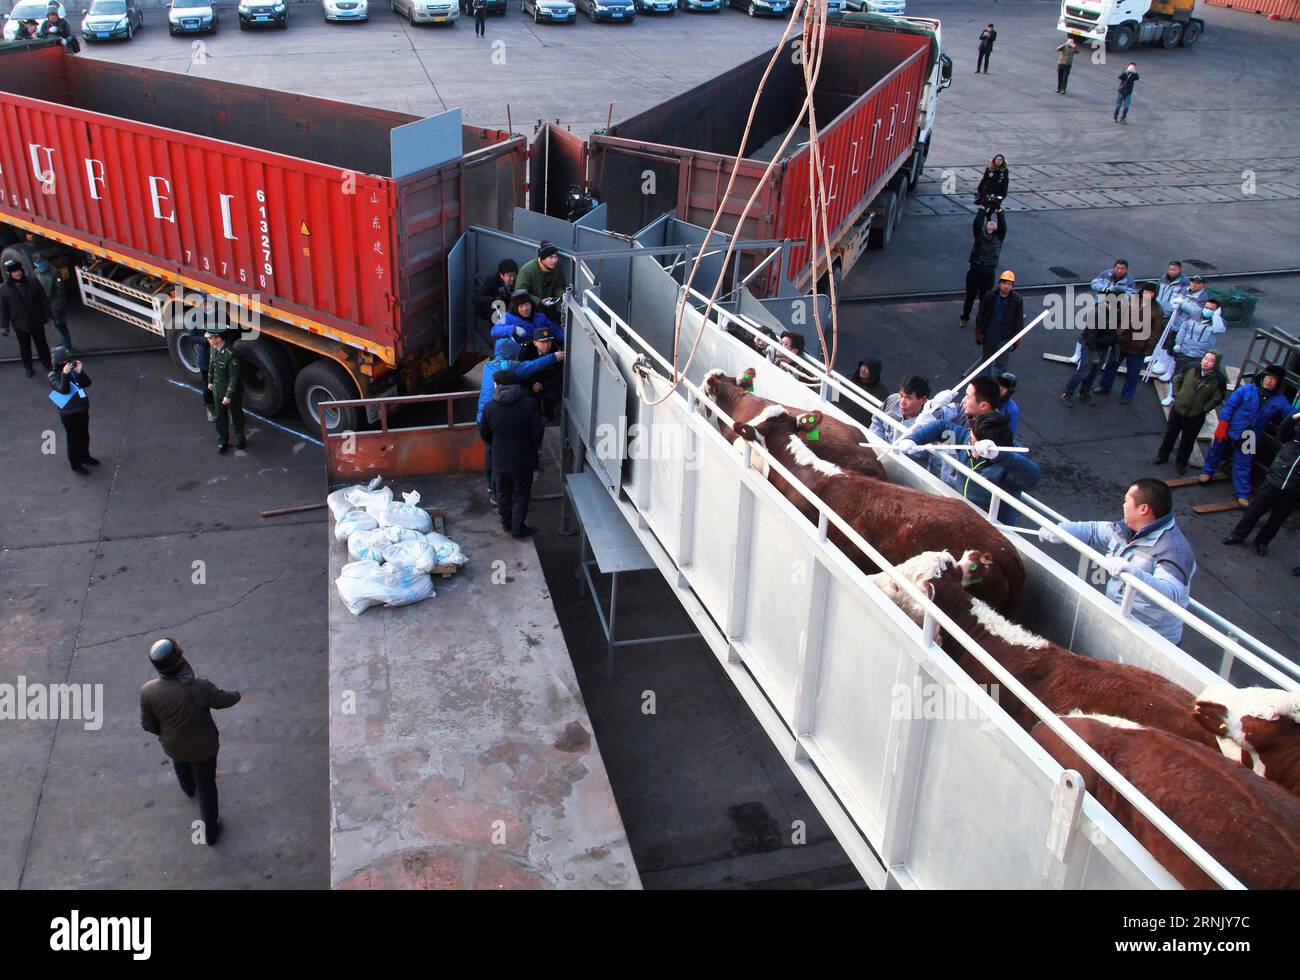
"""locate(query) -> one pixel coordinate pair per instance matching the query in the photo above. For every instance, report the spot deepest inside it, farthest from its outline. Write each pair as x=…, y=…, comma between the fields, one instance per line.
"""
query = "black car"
x=493, y=7
x=763, y=8
x=112, y=19
x=263, y=13
x=611, y=10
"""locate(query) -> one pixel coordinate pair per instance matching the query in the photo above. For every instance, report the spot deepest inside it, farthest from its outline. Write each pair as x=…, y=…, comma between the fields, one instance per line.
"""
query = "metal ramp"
x=829, y=666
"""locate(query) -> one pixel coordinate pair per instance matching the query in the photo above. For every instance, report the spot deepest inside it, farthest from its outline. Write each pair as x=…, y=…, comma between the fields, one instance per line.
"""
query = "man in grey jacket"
x=905, y=406
x=1197, y=335
x=1172, y=286
x=1146, y=544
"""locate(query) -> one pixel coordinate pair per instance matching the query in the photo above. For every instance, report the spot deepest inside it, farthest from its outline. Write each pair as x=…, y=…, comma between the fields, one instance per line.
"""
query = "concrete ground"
x=94, y=567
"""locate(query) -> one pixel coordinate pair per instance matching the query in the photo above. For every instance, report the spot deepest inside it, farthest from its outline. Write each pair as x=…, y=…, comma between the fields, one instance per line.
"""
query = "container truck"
x=875, y=100
x=1124, y=24
x=324, y=225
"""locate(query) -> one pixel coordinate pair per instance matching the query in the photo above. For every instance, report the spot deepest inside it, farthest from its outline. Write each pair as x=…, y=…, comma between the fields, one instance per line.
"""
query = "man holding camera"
x=544, y=280
x=70, y=381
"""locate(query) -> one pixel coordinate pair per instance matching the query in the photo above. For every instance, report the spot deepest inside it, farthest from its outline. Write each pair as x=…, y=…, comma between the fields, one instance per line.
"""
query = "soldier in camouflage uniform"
x=223, y=382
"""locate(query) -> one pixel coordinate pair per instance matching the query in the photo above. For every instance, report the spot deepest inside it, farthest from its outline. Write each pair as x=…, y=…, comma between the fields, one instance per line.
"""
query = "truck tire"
x=916, y=167
x=1192, y=32
x=1172, y=35
x=323, y=381
x=184, y=354
x=266, y=376
x=1121, y=38
x=883, y=231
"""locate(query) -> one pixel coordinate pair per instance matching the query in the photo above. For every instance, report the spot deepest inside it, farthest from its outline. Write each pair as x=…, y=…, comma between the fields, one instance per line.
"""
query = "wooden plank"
x=1217, y=508
x=1193, y=481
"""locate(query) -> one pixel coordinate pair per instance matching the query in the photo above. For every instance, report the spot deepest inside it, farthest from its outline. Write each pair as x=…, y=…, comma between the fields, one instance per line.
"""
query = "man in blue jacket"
x=1247, y=413
x=505, y=357
x=521, y=321
x=1013, y=472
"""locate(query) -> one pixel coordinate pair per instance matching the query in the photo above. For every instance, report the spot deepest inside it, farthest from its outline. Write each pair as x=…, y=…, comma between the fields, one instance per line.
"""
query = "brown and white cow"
x=1249, y=825
x=897, y=521
x=1063, y=680
x=829, y=438
x=1256, y=726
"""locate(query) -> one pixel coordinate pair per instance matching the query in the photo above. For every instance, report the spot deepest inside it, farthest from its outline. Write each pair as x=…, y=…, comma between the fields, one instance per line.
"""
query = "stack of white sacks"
x=393, y=545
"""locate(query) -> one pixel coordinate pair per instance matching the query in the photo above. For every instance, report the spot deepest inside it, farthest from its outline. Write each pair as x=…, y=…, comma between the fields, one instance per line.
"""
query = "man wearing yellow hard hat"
x=1001, y=316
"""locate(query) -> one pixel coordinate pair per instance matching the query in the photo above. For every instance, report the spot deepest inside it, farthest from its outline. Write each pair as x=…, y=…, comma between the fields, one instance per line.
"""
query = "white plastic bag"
x=1161, y=364
x=447, y=550
x=352, y=522
x=417, y=555
x=340, y=503
x=404, y=513
x=365, y=497
x=367, y=545
x=363, y=584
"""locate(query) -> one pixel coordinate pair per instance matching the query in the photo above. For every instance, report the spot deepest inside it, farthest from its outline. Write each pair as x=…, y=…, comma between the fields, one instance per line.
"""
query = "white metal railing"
x=1233, y=650
x=934, y=616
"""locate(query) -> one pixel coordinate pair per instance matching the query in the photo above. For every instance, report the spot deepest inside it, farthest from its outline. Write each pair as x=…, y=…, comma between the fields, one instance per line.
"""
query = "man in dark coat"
x=25, y=307
x=70, y=381
x=496, y=288
x=177, y=707
x=989, y=230
x=1278, y=494
x=548, y=384
x=512, y=427
x=1001, y=317
x=987, y=37
x=1197, y=392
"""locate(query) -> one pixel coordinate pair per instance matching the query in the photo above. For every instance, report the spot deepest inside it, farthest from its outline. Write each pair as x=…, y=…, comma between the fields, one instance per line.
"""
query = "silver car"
x=427, y=11
x=550, y=11
x=338, y=11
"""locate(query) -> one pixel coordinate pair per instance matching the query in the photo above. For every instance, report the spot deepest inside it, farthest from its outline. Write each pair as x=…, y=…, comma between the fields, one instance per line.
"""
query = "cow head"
x=745, y=380
x=809, y=426
x=927, y=571
x=974, y=566
x=1251, y=723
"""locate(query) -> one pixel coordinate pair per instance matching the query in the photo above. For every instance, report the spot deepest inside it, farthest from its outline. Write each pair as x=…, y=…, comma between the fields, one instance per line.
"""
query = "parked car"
x=551, y=11
x=25, y=10
x=763, y=8
x=878, y=6
x=620, y=10
x=655, y=6
x=338, y=11
x=263, y=13
x=192, y=17
x=715, y=6
x=497, y=7
x=108, y=19
x=427, y=11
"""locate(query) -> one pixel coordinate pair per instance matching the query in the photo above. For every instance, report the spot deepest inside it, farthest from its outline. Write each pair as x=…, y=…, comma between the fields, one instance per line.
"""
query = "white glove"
x=986, y=448
x=1177, y=349
x=1177, y=303
x=944, y=397
x=1048, y=535
x=905, y=446
x=1115, y=564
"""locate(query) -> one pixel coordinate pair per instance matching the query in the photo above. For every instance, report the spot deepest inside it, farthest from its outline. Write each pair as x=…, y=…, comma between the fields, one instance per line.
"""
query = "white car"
x=28, y=10
x=427, y=11
x=345, y=10
x=878, y=6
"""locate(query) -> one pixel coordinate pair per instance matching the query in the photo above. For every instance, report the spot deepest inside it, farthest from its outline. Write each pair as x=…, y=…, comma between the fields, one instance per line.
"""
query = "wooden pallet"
x=1193, y=481
x=439, y=515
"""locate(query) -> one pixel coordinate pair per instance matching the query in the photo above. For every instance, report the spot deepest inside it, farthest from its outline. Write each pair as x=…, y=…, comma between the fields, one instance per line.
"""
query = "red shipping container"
x=1284, y=9
x=239, y=190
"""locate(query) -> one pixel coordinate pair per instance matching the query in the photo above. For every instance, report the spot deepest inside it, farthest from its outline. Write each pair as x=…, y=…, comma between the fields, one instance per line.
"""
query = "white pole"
x=1000, y=351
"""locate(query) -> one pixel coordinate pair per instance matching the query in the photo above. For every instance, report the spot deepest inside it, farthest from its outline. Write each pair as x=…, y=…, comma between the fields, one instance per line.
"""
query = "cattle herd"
x=1224, y=766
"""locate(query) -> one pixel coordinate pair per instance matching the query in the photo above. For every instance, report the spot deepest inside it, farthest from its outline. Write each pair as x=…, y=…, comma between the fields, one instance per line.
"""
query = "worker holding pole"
x=1001, y=317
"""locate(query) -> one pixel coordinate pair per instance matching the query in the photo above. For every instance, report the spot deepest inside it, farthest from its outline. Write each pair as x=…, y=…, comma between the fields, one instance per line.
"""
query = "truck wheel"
x=266, y=376
x=184, y=351
x=1121, y=38
x=883, y=231
x=1192, y=33
x=1172, y=36
x=326, y=381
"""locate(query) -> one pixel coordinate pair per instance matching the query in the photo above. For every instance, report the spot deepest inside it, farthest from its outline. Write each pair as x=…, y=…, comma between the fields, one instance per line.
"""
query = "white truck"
x=1124, y=24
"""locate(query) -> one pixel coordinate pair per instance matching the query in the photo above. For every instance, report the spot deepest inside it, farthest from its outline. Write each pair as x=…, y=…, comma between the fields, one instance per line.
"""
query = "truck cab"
x=1124, y=24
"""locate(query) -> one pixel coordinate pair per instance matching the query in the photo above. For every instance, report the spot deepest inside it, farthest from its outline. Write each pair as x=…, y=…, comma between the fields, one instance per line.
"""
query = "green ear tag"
x=812, y=435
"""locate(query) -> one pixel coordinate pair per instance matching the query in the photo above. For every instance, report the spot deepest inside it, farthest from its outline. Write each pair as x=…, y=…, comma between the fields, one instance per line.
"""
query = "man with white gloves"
x=1146, y=544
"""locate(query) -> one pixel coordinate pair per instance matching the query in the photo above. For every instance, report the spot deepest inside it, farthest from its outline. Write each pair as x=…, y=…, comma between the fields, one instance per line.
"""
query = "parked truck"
x=1123, y=24
x=323, y=225
x=876, y=99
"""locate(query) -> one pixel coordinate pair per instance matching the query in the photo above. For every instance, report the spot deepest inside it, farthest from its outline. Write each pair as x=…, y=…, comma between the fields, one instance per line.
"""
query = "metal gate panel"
x=711, y=567
x=597, y=400
x=459, y=309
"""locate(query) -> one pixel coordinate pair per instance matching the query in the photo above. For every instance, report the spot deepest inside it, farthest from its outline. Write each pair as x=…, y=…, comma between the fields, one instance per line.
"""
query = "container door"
x=558, y=169
x=459, y=308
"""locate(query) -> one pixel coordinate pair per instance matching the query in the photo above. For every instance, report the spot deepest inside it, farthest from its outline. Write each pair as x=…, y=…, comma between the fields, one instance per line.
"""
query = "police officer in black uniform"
x=25, y=306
